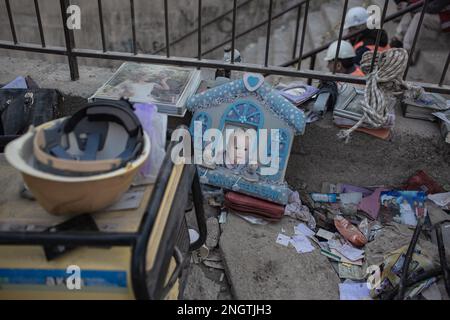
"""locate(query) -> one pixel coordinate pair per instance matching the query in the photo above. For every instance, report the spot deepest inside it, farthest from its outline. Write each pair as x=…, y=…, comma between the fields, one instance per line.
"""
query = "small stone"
x=212, y=238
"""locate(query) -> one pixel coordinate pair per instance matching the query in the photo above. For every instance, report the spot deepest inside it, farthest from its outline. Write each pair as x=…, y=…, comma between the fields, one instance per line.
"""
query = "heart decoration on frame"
x=253, y=81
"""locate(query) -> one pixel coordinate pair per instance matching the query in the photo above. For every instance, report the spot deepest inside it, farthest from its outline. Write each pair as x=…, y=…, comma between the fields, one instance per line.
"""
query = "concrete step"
x=332, y=14
x=429, y=66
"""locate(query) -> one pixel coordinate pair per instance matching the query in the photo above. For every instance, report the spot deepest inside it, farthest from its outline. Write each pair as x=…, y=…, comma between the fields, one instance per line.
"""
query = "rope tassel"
x=384, y=82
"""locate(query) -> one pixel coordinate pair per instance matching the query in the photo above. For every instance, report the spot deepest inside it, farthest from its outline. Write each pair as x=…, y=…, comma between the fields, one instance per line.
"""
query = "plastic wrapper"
x=155, y=125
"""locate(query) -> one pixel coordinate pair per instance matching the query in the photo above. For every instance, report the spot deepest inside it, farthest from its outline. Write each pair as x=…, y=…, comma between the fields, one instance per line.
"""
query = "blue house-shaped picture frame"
x=249, y=103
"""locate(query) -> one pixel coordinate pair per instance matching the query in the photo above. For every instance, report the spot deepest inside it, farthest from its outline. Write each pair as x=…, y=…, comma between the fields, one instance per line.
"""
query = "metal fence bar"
x=11, y=21
x=341, y=32
x=166, y=28
x=302, y=43
x=346, y=37
x=243, y=33
x=416, y=37
x=312, y=65
x=133, y=27
x=39, y=21
x=377, y=41
x=70, y=42
x=32, y=47
x=213, y=21
x=269, y=27
x=233, y=31
x=199, y=34
x=297, y=31
x=444, y=72
x=102, y=26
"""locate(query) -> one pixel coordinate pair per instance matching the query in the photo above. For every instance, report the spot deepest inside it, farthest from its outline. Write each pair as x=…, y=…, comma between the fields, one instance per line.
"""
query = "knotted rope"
x=385, y=81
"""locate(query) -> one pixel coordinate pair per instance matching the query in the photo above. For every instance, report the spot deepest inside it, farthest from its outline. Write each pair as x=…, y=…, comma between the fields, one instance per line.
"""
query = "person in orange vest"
x=345, y=63
x=356, y=20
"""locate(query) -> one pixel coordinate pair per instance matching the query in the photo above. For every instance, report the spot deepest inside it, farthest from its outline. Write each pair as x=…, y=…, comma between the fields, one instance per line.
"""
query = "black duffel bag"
x=20, y=108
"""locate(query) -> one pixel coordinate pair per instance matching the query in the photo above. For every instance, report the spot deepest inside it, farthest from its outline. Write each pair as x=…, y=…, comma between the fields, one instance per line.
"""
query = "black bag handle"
x=116, y=111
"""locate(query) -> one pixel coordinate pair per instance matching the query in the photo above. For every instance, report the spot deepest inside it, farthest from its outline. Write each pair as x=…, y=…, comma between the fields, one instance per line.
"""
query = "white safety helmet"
x=356, y=16
x=346, y=51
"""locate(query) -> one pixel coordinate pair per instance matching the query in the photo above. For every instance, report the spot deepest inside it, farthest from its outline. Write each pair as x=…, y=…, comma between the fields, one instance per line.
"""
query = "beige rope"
x=385, y=81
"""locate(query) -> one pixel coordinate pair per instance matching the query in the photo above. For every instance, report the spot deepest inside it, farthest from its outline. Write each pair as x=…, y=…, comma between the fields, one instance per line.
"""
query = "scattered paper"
x=283, y=239
x=301, y=228
x=324, y=234
x=441, y=199
x=354, y=291
x=302, y=244
x=343, y=259
x=253, y=220
x=352, y=272
x=350, y=253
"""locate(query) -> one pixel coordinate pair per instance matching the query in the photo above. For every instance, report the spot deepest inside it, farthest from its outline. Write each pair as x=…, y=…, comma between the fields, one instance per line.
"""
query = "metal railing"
x=72, y=52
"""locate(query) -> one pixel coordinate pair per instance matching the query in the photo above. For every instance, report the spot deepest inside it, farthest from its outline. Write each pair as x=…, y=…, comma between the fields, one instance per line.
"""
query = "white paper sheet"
x=301, y=228
x=302, y=244
x=351, y=253
x=347, y=251
x=284, y=240
x=354, y=291
x=325, y=234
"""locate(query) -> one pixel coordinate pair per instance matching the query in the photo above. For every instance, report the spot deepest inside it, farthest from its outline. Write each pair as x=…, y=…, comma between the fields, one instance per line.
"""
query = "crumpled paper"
x=295, y=209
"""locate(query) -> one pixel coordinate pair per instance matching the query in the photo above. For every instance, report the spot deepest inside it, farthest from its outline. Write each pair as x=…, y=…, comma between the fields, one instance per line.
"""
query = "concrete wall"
x=149, y=25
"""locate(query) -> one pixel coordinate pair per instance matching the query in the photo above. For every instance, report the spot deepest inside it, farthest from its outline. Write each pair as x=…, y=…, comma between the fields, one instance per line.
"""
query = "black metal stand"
x=444, y=270
x=146, y=284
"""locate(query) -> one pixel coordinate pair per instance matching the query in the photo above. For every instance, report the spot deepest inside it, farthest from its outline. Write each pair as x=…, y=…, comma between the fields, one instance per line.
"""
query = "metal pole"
x=269, y=26
x=416, y=37
x=407, y=261
x=302, y=43
x=102, y=26
x=70, y=42
x=199, y=34
x=166, y=28
x=233, y=31
x=341, y=32
x=444, y=72
x=377, y=42
x=11, y=21
x=39, y=21
x=133, y=26
x=297, y=30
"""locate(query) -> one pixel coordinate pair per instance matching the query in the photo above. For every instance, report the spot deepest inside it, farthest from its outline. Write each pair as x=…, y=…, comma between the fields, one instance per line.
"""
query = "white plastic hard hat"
x=346, y=51
x=356, y=16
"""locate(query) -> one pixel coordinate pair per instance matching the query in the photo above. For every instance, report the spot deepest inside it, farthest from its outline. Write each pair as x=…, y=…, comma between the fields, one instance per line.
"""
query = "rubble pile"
x=366, y=233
